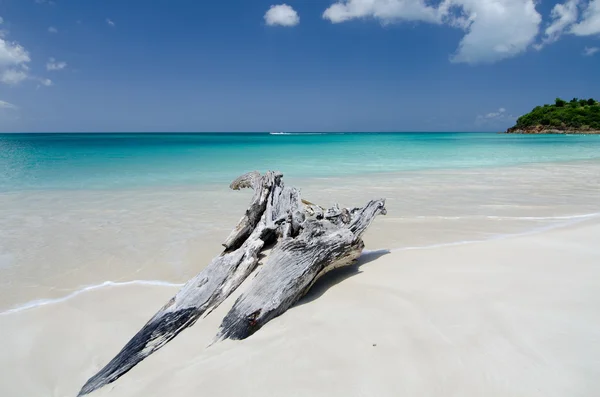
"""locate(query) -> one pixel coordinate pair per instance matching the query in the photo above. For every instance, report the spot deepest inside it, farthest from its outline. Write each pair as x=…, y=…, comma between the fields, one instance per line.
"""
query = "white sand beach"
x=494, y=293
x=511, y=317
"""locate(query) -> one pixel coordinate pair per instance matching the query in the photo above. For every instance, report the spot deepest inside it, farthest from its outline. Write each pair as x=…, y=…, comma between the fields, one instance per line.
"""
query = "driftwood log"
x=307, y=242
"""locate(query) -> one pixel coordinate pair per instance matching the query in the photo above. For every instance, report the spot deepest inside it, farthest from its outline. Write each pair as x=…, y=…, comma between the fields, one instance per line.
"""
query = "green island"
x=576, y=116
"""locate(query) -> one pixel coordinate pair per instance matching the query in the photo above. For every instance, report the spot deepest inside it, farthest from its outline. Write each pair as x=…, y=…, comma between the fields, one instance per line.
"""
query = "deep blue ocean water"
x=117, y=161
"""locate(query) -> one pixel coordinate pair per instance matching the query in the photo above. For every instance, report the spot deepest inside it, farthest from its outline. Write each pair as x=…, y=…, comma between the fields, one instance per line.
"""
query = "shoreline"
x=570, y=221
x=184, y=227
x=548, y=130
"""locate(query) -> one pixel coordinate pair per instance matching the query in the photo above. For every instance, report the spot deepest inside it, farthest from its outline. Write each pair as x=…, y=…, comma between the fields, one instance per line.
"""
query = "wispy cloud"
x=493, y=118
x=110, y=22
x=54, y=65
x=563, y=16
x=45, y=82
x=13, y=76
x=52, y=29
x=281, y=15
x=575, y=17
x=7, y=105
x=590, y=20
x=589, y=51
x=49, y=2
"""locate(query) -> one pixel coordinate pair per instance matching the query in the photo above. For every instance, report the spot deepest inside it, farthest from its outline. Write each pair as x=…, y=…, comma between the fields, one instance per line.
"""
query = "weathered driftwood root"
x=309, y=242
x=295, y=264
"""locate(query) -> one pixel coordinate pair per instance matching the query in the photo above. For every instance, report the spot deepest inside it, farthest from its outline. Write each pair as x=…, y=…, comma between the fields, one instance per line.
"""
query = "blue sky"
x=310, y=65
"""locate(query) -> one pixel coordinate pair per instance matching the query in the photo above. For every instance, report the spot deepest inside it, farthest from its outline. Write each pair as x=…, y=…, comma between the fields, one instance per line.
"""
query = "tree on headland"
x=560, y=103
x=582, y=114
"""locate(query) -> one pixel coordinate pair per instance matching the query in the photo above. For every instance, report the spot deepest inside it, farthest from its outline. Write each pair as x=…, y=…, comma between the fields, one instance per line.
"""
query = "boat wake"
x=304, y=133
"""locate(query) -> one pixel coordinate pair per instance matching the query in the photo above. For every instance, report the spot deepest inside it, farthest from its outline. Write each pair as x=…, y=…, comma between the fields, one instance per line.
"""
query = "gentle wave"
x=512, y=218
x=44, y=302
x=573, y=220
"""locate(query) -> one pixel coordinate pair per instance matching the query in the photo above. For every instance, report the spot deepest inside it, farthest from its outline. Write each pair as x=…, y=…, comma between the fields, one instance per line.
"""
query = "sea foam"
x=43, y=302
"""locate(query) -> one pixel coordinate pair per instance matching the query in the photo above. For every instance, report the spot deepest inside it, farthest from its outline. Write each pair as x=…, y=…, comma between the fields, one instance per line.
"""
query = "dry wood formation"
x=307, y=242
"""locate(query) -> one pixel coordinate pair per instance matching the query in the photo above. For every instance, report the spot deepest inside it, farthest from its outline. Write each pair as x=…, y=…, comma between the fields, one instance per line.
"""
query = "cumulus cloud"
x=52, y=29
x=13, y=62
x=110, y=22
x=45, y=82
x=590, y=20
x=53, y=64
x=495, y=30
x=281, y=15
x=386, y=11
x=13, y=76
x=589, y=51
x=499, y=29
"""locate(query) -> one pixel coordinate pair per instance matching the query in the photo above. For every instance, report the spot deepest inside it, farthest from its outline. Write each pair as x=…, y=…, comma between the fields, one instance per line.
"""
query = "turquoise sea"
x=116, y=161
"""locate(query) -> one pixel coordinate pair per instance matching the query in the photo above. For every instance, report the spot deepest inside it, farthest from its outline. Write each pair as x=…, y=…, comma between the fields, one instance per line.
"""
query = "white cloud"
x=500, y=29
x=386, y=11
x=282, y=15
x=495, y=29
x=576, y=17
x=497, y=117
x=563, y=16
x=52, y=29
x=53, y=64
x=590, y=21
x=13, y=76
x=45, y=82
x=12, y=54
x=7, y=105
x=13, y=62
x=110, y=22
x=589, y=51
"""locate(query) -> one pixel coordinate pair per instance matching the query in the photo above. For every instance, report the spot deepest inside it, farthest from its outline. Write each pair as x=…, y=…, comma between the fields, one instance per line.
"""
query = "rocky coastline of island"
x=541, y=129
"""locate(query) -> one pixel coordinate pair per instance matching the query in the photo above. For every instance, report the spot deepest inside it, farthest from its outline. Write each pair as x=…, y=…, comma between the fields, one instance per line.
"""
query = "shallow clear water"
x=81, y=210
x=116, y=161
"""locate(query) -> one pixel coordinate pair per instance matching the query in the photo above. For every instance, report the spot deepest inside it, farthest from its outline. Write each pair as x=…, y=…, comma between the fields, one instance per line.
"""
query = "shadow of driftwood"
x=338, y=275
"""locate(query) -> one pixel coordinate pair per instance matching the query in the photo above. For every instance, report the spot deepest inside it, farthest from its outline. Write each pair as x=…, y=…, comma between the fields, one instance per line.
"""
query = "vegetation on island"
x=581, y=115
